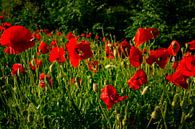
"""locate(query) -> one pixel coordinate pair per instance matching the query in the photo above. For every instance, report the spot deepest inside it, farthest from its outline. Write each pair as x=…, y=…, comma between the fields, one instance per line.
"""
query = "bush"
x=80, y=15
x=174, y=19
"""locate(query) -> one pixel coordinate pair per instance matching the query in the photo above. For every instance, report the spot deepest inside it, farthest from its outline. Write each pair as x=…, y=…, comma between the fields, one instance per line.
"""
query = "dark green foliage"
x=78, y=15
x=175, y=19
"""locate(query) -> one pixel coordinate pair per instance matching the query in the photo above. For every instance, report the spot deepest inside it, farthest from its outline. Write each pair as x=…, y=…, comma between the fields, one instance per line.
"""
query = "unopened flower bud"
x=122, y=90
x=144, y=91
x=175, y=100
x=154, y=114
x=95, y=87
x=115, y=52
x=51, y=67
x=119, y=117
x=110, y=66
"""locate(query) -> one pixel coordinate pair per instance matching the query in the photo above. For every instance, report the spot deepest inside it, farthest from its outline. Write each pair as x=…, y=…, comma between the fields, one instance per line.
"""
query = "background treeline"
x=174, y=18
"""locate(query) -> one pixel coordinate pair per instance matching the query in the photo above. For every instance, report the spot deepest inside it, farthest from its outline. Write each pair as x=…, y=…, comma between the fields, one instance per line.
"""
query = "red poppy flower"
x=43, y=48
x=93, y=66
x=6, y=25
x=2, y=28
x=109, y=96
x=192, y=45
x=82, y=35
x=78, y=52
x=35, y=63
x=70, y=35
x=37, y=36
x=17, y=68
x=173, y=48
x=88, y=35
x=10, y=50
x=145, y=34
x=18, y=38
x=47, y=32
x=138, y=79
x=1, y=17
x=175, y=64
x=160, y=56
x=57, y=54
x=178, y=79
x=59, y=33
x=53, y=44
x=43, y=79
x=109, y=50
x=75, y=81
x=187, y=65
x=135, y=57
x=124, y=49
x=97, y=37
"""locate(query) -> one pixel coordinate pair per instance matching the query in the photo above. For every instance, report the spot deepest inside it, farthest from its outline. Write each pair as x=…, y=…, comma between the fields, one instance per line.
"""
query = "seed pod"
x=154, y=114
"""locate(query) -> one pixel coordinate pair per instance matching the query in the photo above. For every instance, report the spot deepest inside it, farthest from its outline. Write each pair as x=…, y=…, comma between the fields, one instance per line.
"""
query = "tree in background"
x=174, y=18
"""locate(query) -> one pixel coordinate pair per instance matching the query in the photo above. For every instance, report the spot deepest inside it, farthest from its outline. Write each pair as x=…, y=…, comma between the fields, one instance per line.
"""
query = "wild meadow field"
x=51, y=79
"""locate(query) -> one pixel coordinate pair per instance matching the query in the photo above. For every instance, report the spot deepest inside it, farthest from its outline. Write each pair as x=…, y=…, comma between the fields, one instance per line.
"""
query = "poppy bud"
x=115, y=52
x=51, y=67
x=144, y=91
x=175, y=100
x=154, y=114
x=95, y=87
x=122, y=90
x=119, y=117
x=110, y=66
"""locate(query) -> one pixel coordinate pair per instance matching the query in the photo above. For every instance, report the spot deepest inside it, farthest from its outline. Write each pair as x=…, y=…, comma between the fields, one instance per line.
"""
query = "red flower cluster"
x=17, y=38
x=124, y=49
x=145, y=34
x=78, y=51
x=109, y=50
x=35, y=63
x=109, y=96
x=160, y=56
x=43, y=79
x=184, y=70
x=57, y=54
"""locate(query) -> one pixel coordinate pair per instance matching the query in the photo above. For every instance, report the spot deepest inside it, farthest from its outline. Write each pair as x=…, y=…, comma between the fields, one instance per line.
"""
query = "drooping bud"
x=95, y=87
